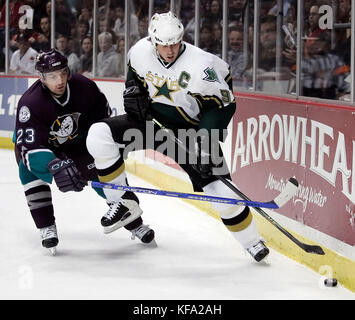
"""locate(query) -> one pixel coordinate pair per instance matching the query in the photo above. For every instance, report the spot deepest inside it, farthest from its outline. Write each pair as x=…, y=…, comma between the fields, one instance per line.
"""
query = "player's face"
x=169, y=53
x=56, y=81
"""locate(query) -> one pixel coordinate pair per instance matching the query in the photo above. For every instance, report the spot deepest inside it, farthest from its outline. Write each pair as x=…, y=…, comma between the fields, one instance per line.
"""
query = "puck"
x=331, y=282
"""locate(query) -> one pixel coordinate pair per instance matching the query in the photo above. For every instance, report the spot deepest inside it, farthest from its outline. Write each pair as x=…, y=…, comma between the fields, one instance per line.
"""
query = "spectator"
x=265, y=9
x=142, y=7
x=63, y=17
x=235, y=57
x=323, y=72
x=188, y=12
x=217, y=38
x=206, y=38
x=307, y=6
x=83, y=29
x=119, y=27
x=43, y=41
x=313, y=31
x=107, y=59
x=215, y=13
x=105, y=25
x=79, y=31
x=274, y=75
x=23, y=59
x=267, y=58
x=236, y=8
x=120, y=49
x=342, y=45
x=86, y=16
x=143, y=27
x=14, y=7
x=63, y=47
x=344, y=11
x=86, y=56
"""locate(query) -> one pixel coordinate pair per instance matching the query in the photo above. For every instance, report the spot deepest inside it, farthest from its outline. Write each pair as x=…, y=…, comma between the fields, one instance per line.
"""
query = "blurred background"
x=282, y=47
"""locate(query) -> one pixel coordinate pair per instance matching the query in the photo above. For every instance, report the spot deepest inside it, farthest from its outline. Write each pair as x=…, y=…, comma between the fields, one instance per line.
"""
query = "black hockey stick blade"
x=309, y=248
x=292, y=184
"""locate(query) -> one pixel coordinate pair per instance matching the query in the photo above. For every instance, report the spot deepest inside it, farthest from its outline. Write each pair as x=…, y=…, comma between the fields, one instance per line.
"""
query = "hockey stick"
x=306, y=247
x=279, y=201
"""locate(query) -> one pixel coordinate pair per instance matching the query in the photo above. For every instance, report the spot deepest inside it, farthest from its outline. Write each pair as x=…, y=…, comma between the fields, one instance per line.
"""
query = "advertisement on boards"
x=11, y=92
x=274, y=140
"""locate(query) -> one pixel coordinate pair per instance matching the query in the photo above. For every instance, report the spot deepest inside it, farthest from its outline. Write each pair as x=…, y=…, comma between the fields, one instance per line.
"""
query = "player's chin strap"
x=283, y=199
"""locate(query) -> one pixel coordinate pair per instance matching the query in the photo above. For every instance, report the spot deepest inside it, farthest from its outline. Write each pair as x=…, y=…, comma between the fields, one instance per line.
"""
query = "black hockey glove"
x=136, y=102
x=205, y=155
x=66, y=175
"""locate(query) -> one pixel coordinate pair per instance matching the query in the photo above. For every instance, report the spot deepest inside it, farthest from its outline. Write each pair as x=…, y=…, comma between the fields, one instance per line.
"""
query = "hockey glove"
x=136, y=102
x=204, y=161
x=66, y=175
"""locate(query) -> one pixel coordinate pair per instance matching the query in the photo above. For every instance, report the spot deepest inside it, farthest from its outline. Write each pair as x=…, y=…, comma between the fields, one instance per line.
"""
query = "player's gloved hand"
x=136, y=102
x=66, y=175
x=204, y=163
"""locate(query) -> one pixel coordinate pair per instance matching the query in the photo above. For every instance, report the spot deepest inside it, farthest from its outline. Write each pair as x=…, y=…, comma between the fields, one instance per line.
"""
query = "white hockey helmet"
x=165, y=29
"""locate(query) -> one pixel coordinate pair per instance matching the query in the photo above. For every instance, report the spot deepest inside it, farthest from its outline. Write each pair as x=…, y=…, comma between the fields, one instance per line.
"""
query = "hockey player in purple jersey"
x=53, y=119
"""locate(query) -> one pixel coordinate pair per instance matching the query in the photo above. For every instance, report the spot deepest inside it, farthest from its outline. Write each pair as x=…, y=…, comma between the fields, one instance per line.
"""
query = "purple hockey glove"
x=66, y=175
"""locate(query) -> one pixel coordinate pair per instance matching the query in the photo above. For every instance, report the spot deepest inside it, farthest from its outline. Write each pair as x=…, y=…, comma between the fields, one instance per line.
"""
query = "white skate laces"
x=49, y=238
x=145, y=235
x=140, y=231
x=48, y=232
x=114, y=207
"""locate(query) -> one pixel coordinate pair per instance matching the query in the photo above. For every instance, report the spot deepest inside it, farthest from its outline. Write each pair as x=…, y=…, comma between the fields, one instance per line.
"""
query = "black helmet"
x=51, y=60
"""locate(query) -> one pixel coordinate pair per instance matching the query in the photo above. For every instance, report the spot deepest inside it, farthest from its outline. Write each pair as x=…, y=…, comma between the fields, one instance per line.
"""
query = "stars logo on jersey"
x=64, y=128
x=211, y=75
x=164, y=90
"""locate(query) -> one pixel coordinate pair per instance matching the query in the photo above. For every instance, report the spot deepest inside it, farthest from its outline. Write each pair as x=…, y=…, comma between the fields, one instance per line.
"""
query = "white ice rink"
x=196, y=257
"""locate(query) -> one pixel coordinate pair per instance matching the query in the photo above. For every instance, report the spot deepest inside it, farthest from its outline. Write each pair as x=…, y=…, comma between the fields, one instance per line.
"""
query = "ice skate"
x=49, y=238
x=258, y=251
x=121, y=212
x=144, y=234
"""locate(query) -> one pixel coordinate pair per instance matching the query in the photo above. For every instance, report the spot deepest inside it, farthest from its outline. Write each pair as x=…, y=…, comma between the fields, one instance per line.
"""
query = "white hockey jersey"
x=181, y=92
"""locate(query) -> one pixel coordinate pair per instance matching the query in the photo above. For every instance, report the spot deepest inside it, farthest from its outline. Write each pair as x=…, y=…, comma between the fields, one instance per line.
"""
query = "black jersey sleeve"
x=133, y=75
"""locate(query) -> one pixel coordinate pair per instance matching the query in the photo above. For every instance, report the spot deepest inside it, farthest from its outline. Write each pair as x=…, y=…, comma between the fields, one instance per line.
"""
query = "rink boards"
x=270, y=140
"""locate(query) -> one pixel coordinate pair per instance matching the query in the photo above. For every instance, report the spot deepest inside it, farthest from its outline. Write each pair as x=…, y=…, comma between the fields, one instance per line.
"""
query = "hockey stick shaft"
x=189, y=196
x=306, y=247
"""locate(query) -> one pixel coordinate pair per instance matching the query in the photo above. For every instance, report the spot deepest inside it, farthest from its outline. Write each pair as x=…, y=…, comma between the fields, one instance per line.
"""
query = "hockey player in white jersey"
x=179, y=86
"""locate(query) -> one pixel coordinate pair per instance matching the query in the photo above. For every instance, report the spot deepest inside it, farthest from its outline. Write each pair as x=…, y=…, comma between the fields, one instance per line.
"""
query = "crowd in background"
x=325, y=67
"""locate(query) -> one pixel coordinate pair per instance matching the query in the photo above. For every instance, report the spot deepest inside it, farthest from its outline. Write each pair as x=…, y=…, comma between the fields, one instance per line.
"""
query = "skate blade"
x=265, y=261
x=53, y=251
x=151, y=244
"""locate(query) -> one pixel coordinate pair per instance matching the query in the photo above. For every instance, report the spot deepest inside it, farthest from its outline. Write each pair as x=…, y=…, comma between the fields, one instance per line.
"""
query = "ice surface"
x=196, y=257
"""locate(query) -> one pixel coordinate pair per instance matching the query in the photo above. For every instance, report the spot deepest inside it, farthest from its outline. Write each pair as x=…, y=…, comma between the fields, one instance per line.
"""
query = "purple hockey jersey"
x=47, y=124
